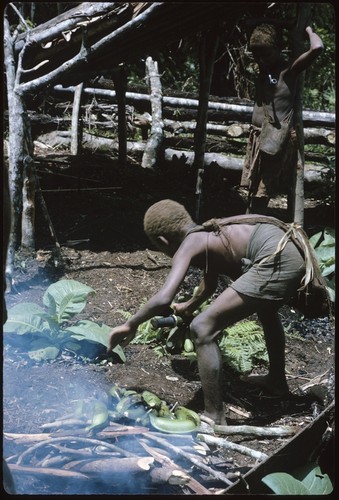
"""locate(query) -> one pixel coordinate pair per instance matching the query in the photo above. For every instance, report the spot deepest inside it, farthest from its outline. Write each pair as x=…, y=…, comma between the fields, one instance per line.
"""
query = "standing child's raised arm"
x=306, y=59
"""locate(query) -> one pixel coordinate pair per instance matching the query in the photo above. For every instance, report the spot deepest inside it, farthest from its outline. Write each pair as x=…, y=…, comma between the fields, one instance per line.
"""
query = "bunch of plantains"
x=146, y=408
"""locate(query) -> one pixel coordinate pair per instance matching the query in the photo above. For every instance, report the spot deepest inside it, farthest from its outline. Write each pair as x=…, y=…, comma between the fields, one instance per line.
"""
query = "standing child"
x=267, y=175
x=245, y=249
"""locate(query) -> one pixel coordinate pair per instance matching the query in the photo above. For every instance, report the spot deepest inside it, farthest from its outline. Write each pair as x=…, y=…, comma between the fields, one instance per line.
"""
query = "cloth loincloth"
x=265, y=175
x=275, y=279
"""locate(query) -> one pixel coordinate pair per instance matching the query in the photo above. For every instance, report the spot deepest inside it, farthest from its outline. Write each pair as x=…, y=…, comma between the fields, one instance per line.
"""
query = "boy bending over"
x=241, y=248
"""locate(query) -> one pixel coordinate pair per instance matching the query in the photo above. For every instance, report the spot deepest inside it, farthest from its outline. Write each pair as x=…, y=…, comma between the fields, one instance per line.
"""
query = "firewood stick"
x=72, y=439
x=173, y=474
x=254, y=430
x=26, y=438
x=119, y=430
x=206, y=438
x=166, y=444
x=48, y=471
x=112, y=465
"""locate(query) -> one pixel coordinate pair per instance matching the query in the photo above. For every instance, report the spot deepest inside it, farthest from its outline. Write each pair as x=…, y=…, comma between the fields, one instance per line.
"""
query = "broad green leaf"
x=282, y=483
x=315, y=239
x=41, y=350
x=318, y=483
x=70, y=298
x=92, y=332
x=88, y=330
x=26, y=318
x=25, y=307
x=323, y=238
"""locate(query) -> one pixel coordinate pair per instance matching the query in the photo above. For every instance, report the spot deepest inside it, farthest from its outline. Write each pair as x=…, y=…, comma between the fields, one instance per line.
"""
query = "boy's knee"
x=200, y=330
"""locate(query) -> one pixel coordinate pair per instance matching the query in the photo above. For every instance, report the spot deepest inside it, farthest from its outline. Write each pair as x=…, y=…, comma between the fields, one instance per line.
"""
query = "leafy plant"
x=324, y=246
x=242, y=345
x=48, y=331
x=313, y=483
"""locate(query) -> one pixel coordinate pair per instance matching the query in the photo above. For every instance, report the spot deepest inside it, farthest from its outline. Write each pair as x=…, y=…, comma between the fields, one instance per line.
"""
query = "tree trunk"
x=20, y=159
x=153, y=150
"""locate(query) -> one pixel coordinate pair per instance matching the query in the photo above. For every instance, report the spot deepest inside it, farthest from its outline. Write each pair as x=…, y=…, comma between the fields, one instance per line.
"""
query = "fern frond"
x=242, y=345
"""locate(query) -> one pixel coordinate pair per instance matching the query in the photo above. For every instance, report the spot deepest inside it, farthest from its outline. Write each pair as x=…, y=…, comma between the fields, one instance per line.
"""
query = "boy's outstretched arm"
x=157, y=305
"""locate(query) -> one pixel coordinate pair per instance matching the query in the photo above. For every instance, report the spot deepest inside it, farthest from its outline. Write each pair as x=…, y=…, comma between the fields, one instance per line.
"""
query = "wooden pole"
x=153, y=150
x=76, y=139
x=120, y=83
x=208, y=48
x=295, y=204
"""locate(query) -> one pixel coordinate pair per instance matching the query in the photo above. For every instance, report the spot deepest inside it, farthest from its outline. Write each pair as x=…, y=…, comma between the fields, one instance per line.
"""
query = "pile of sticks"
x=120, y=454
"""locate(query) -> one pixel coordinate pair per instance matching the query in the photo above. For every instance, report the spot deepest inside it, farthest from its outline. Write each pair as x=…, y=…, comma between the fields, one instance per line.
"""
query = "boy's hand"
x=121, y=335
x=180, y=309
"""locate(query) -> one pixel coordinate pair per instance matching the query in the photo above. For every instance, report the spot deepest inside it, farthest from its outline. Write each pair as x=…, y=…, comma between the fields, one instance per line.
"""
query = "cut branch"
x=258, y=455
x=254, y=430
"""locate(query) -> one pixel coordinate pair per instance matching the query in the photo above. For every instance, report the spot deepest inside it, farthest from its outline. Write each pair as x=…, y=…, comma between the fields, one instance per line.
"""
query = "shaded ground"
x=103, y=246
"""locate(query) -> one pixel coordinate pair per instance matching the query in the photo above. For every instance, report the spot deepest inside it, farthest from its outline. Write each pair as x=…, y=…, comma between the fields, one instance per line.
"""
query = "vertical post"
x=154, y=146
x=208, y=48
x=296, y=198
x=76, y=131
x=120, y=84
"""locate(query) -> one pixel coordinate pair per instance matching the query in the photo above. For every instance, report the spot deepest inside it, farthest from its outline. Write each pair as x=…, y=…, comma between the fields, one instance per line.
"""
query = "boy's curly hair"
x=265, y=35
x=167, y=218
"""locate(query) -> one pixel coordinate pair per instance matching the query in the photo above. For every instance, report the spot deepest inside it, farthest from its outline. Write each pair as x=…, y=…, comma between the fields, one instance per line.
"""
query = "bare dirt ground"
x=103, y=246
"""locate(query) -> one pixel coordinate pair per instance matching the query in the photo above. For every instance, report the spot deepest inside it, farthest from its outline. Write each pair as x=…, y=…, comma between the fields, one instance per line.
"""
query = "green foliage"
x=242, y=345
x=313, y=483
x=48, y=331
x=324, y=246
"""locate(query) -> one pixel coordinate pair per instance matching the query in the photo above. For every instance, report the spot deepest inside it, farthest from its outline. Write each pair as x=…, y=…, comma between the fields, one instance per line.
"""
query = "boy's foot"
x=216, y=418
x=265, y=382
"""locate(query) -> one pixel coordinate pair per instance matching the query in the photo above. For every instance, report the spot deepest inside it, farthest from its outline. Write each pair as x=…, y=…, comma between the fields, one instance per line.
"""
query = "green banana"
x=164, y=411
x=135, y=413
x=188, y=345
x=182, y=413
x=115, y=392
x=100, y=416
x=172, y=426
x=151, y=399
x=127, y=401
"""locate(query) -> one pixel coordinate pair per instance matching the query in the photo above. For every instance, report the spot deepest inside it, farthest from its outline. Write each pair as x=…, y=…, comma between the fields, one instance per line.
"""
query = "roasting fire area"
x=129, y=442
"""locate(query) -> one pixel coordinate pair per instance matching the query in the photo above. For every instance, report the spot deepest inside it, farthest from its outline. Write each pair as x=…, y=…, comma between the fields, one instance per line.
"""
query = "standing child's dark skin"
x=167, y=223
x=275, y=89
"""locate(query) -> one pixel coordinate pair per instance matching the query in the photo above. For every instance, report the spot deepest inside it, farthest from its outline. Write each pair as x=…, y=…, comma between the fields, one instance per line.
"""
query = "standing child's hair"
x=265, y=35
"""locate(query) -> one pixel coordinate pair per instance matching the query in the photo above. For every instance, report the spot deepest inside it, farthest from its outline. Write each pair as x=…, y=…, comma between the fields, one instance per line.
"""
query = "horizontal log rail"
x=244, y=112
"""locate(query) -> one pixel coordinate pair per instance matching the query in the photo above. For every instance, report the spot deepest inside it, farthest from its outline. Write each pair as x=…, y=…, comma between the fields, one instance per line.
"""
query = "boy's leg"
x=228, y=308
x=275, y=382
